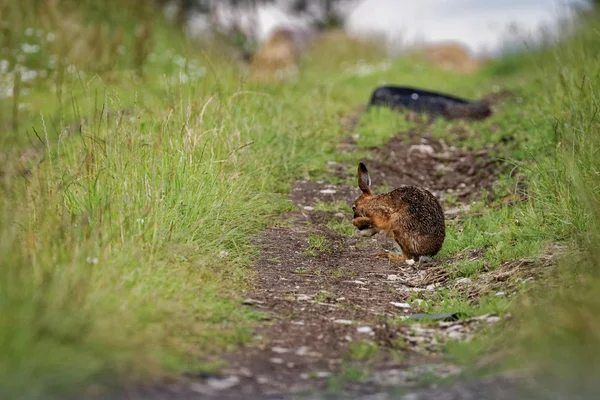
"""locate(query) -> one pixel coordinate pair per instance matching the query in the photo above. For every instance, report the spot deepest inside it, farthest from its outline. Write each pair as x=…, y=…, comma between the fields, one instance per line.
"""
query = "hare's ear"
x=364, y=180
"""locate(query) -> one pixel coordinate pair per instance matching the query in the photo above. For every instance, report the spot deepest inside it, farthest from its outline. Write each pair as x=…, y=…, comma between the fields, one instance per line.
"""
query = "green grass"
x=317, y=244
x=124, y=250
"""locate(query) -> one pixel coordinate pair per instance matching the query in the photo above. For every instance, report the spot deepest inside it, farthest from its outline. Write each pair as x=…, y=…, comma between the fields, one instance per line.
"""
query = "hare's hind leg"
x=399, y=255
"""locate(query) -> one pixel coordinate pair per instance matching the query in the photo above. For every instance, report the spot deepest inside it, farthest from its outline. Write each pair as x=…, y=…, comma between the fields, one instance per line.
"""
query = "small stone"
x=262, y=380
x=308, y=208
x=343, y=321
x=368, y=232
x=290, y=365
x=500, y=294
x=393, y=278
x=464, y=280
x=249, y=302
x=298, y=322
x=276, y=360
x=303, y=297
x=280, y=350
x=455, y=335
x=357, y=282
x=328, y=191
x=492, y=319
x=339, y=215
x=302, y=351
x=400, y=305
x=410, y=262
x=222, y=384
x=482, y=317
x=454, y=327
x=365, y=329
x=421, y=148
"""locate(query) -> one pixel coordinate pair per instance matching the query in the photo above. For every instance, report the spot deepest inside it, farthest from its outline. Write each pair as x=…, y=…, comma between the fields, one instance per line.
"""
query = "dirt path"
x=333, y=308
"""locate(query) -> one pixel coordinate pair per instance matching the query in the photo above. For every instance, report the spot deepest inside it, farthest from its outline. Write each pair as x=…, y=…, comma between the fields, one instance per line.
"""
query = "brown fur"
x=411, y=215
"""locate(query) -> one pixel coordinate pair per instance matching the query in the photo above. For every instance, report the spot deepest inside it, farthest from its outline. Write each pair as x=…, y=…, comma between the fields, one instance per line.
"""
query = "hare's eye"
x=353, y=208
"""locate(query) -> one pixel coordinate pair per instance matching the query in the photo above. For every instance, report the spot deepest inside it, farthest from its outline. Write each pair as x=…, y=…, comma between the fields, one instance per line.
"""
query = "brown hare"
x=412, y=216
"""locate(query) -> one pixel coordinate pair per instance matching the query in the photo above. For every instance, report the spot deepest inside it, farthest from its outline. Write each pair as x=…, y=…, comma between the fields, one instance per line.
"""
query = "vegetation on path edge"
x=123, y=250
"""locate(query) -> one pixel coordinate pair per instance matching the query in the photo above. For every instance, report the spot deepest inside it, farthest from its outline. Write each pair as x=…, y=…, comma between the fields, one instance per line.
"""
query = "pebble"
x=276, y=360
x=400, y=305
x=303, y=297
x=328, y=191
x=302, y=351
x=250, y=302
x=356, y=282
x=280, y=350
x=308, y=208
x=262, y=380
x=456, y=335
x=343, y=321
x=222, y=384
x=367, y=232
x=365, y=329
x=421, y=148
x=393, y=278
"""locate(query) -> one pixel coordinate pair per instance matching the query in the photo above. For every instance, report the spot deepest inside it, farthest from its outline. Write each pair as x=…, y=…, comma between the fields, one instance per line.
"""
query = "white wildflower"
x=179, y=61
x=4, y=64
x=27, y=74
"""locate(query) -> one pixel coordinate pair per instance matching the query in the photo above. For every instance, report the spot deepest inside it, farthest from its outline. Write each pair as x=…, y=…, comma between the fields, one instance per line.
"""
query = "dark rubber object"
x=425, y=101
